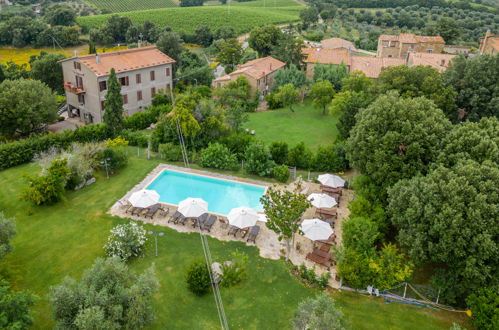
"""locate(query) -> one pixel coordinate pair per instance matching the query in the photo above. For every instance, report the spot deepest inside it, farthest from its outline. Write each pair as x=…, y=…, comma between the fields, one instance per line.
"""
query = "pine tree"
x=91, y=47
x=113, y=115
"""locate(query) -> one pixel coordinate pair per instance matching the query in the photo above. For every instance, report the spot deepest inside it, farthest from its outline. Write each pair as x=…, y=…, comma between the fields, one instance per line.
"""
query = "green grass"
x=63, y=240
x=241, y=16
x=306, y=124
x=116, y=6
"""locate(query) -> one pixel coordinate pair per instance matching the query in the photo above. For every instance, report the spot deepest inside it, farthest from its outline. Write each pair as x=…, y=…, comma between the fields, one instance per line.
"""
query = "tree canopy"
x=319, y=313
x=288, y=95
x=289, y=50
x=60, y=14
x=171, y=44
x=347, y=104
x=7, y=231
x=231, y=52
x=264, y=38
x=47, y=69
x=289, y=75
x=321, y=92
x=331, y=72
x=113, y=108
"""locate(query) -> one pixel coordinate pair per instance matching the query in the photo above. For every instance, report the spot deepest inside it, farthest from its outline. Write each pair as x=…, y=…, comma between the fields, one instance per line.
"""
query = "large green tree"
x=7, y=231
x=288, y=95
x=231, y=52
x=25, y=105
x=15, y=307
x=484, y=304
x=321, y=92
x=319, y=313
x=449, y=29
x=108, y=296
x=47, y=69
x=113, y=107
x=419, y=81
x=289, y=75
x=475, y=81
x=396, y=138
x=289, y=50
x=346, y=105
x=264, y=38
x=334, y=73
x=60, y=14
x=170, y=43
x=450, y=218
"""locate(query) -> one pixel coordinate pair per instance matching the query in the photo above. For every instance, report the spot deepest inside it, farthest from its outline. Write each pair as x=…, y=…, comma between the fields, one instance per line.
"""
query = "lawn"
x=306, y=124
x=64, y=239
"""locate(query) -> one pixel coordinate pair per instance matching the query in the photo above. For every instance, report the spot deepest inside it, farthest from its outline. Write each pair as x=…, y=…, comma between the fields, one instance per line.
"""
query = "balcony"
x=69, y=87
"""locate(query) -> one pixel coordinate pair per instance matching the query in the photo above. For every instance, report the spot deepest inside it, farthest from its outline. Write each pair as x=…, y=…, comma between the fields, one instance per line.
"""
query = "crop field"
x=116, y=6
x=240, y=16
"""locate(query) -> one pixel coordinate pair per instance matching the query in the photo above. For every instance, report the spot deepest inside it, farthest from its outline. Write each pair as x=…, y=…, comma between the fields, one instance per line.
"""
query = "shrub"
x=198, y=278
x=281, y=173
x=48, y=188
x=217, y=155
x=136, y=138
x=116, y=142
x=236, y=271
x=323, y=280
x=279, y=152
x=300, y=156
x=258, y=160
x=273, y=102
x=126, y=241
x=331, y=159
x=484, y=304
x=170, y=152
x=115, y=158
x=237, y=143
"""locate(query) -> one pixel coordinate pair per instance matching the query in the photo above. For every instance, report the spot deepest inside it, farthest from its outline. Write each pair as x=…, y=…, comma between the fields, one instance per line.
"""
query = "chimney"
x=97, y=58
x=76, y=53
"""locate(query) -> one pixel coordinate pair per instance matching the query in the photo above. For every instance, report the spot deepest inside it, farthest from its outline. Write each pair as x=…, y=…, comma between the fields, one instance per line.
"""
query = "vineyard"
x=116, y=6
x=240, y=16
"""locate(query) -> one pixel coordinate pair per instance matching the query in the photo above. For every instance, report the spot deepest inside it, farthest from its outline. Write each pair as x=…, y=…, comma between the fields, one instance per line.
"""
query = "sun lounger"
x=208, y=223
x=320, y=257
x=331, y=189
x=330, y=241
x=163, y=212
x=175, y=216
x=331, y=213
x=150, y=212
x=198, y=222
x=253, y=233
x=124, y=204
x=181, y=220
x=233, y=230
x=137, y=210
x=331, y=221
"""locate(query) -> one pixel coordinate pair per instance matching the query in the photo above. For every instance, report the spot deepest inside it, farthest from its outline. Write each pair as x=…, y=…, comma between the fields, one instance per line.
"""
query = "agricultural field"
x=117, y=6
x=240, y=16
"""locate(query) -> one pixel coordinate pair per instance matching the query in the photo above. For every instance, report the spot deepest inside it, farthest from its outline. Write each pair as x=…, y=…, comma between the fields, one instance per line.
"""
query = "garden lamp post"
x=156, y=239
x=104, y=162
x=196, y=81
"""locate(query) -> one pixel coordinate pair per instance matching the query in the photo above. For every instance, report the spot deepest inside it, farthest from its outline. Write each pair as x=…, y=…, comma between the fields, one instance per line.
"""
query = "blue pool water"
x=221, y=195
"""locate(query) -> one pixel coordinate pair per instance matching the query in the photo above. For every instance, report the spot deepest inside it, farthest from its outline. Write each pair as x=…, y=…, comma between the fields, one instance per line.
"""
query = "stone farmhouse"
x=489, y=44
x=141, y=71
x=400, y=45
x=260, y=74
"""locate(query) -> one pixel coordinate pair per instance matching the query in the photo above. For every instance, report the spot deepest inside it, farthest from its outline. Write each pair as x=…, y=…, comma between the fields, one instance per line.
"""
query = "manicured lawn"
x=307, y=124
x=64, y=239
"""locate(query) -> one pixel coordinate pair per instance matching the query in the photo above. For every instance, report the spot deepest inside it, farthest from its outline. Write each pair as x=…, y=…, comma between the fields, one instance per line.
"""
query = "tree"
x=346, y=105
x=47, y=69
x=113, y=106
x=309, y=15
x=171, y=44
x=204, y=37
x=60, y=14
x=107, y=293
x=357, y=81
x=279, y=152
x=360, y=234
x=262, y=39
x=319, y=313
x=321, y=92
x=475, y=80
x=470, y=140
x=231, y=52
x=332, y=73
x=289, y=50
x=258, y=160
x=448, y=29
x=419, y=81
x=396, y=138
x=7, y=231
x=289, y=75
x=288, y=95
x=198, y=278
x=194, y=70
x=15, y=307
x=25, y=105
x=284, y=210
x=2, y=74
x=225, y=33
x=236, y=116
x=484, y=305
x=449, y=218
x=235, y=94
x=91, y=47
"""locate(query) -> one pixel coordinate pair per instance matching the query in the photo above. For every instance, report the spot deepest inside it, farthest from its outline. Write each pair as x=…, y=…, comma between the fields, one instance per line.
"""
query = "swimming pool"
x=221, y=195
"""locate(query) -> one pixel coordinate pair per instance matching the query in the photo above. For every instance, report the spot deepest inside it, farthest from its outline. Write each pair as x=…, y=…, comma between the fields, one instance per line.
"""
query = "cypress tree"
x=91, y=47
x=113, y=115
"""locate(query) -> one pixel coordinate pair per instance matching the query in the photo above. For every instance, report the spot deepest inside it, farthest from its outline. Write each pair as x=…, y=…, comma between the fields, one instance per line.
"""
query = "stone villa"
x=142, y=72
x=400, y=45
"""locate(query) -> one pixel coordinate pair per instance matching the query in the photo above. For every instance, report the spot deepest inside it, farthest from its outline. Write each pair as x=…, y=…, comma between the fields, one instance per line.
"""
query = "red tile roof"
x=334, y=43
x=411, y=38
x=257, y=69
x=329, y=56
x=125, y=60
x=437, y=61
x=372, y=66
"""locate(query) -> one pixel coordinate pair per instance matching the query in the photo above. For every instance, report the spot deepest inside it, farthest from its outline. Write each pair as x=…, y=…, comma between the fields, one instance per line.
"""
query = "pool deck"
x=267, y=241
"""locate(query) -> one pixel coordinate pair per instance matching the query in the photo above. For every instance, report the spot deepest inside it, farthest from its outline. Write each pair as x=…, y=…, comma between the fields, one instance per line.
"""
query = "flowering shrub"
x=126, y=241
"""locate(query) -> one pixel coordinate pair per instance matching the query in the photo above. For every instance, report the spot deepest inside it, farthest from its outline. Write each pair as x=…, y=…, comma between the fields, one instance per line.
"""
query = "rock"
x=90, y=181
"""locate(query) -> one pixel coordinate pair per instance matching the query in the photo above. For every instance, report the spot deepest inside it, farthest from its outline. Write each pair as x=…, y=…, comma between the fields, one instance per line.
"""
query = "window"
x=153, y=92
x=79, y=81
x=125, y=99
x=167, y=72
x=138, y=78
x=139, y=95
x=124, y=81
x=429, y=51
x=152, y=75
x=77, y=65
x=81, y=98
x=102, y=86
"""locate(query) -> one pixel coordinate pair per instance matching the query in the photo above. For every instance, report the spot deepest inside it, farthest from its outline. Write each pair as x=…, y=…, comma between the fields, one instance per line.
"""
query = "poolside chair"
x=124, y=204
x=233, y=230
x=175, y=217
x=136, y=210
x=208, y=223
x=198, y=222
x=150, y=212
x=163, y=211
x=181, y=220
x=253, y=233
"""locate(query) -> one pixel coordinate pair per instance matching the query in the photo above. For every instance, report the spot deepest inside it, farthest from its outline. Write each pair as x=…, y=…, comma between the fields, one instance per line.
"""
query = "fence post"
x=308, y=178
x=438, y=296
x=149, y=149
x=138, y=151
x=405, y=289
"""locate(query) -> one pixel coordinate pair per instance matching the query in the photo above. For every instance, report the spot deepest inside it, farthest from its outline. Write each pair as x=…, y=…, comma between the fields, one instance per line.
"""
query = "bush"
x=258, y=160
x=48, y=188
x=198, y=278
x=279, y=152
x=115, y=158
x=237, y=143
x=144, y=119
x=331, y=159
x=300, y=156
x=126, y=241
x=136, y=138
x=281, y=173
x=273, y=102
x=323, y=280
x=236, y=271
x=170, y=152
x=217, y=155
x=484, y=305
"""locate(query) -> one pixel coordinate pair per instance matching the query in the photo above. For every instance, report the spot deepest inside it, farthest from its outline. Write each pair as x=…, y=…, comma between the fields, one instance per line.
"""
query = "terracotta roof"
x=437, y=61
x=125, y=60
x=411, y=38
x=334, y=43
x=256, y=68
x=329, y=56
x=371, y=66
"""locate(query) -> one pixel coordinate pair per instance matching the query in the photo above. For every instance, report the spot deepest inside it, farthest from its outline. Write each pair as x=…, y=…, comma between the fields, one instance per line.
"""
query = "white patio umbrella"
x=331, y=180
x=262, y=217
x=316, y=229
x=192, y=207
x=243, y=217
x=322, y=200
x=144, y=198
